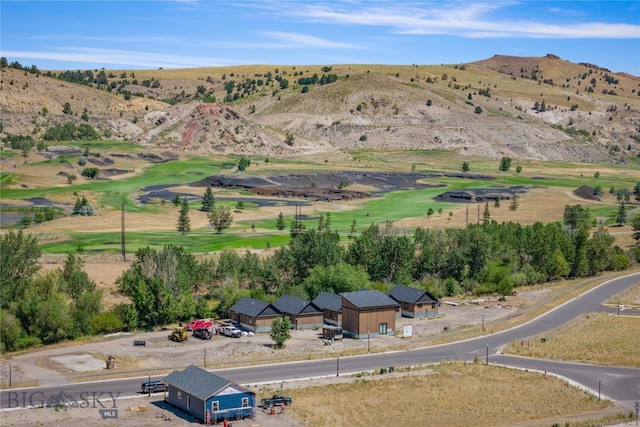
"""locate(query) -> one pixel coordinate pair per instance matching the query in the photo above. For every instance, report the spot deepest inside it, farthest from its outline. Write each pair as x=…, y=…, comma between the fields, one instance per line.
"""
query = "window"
x=215, y=406
x=188, y=402
x=179, y=395
x=245, y=402
x=382, y=329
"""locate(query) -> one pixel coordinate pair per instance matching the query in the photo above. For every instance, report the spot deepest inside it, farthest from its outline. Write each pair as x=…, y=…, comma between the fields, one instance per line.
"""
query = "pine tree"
x=208, y=200
x=486, y=216
x=184, y=223
x=514, y=203
x=621, y=216
x=280, y=224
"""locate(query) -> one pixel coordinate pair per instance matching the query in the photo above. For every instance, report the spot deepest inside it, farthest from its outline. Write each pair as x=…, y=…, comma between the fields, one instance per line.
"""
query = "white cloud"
x=297, y=40
x=462, y=19
x=121, y=58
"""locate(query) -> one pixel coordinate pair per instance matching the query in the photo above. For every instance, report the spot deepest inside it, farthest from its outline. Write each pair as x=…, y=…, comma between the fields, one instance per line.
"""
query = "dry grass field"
x=452, y=394
x=601, y=339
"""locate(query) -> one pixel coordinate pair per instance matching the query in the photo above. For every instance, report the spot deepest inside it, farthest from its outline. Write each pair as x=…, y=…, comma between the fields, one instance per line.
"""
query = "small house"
x=368, y=313
x=415, y=302
x=254, y=314
x=302, y=313
x=331, y=306
x=208, y=397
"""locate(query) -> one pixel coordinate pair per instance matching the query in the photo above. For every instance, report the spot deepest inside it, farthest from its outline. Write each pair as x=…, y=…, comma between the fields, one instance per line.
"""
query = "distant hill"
x=536, y=108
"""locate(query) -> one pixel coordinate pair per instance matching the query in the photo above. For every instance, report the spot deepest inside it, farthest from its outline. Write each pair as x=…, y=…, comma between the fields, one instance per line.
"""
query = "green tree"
x=280, y=224
x=184, y=223
x=430, y=212
x=208, y=200
x=90, y=172
x=220, y=218
x=10, y=331
x=635, y=223
x=162, y=285
x=243, y=164
x=341, y=277
x=636, y=191
x=575, y=217
x=486, y=215
x=496, y=202
x=621, y=215
x=18, y=264
x=465, y=166
x=82, y=207
x=75, y=281
x=505, y=164
x=289, y=139
x=66, y=108
x=280, y=331
x=176, y=200
x=513, y=206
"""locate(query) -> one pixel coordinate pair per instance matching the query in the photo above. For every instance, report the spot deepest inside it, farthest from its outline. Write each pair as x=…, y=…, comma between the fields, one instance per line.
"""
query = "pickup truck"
x=203, y=333
x=231, y=331
x=275, y=400
x=199, y=323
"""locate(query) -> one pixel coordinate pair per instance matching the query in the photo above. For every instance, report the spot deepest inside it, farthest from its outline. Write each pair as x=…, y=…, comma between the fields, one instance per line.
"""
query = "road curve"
x=621, y=385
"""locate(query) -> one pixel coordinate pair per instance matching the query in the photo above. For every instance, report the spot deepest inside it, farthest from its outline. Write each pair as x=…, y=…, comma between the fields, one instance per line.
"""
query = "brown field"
x=601, y=339
x=452, y=394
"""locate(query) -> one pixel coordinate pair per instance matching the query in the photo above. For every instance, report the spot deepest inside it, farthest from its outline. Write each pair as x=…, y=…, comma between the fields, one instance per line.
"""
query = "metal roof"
x=294, y=305
x=328, y=301
x=254, y=308
x=197, y=382
x=410, y=295
x=369, y=298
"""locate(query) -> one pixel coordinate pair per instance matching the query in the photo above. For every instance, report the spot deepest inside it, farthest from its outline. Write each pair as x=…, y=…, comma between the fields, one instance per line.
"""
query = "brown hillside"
x=483, y=108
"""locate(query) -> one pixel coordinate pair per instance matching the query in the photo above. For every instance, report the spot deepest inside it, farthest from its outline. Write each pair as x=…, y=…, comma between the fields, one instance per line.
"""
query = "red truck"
x=199, y=323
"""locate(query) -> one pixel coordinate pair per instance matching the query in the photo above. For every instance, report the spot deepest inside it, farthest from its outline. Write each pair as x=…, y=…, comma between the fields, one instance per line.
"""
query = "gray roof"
x=368, y=298
x=294, y=305
x=328, y=301
x=254, y=308
x=410, y=295
x=197, y=382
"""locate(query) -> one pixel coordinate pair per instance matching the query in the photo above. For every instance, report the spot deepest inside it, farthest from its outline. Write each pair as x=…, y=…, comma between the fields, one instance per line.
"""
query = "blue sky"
x=63, y=35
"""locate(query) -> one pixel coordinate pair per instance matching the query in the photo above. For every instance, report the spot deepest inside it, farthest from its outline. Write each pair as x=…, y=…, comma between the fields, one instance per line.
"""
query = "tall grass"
x=601, y=339
x=452, y=394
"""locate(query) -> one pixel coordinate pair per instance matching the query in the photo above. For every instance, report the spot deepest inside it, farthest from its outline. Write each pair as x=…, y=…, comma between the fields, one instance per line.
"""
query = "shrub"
x=363, y=137
x=90, y=172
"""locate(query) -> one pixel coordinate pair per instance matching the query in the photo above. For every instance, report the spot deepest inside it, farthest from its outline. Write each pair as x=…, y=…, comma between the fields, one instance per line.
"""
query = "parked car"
x=153, y=386
x=231, y=331
x=203, y=333
x=275, y=400
x=199, y=323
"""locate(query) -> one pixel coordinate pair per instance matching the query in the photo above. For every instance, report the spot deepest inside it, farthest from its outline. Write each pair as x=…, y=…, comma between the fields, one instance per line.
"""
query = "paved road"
x=619, y=384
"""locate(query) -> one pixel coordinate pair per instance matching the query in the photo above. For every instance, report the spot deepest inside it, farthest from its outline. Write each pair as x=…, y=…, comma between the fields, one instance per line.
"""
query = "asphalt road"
x=621, y=385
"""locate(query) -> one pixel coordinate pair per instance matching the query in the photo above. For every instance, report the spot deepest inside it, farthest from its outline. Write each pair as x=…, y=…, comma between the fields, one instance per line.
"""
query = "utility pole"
x=337, y=365
x=599, y=385
x=487, y=354
x=205, y=358
x=124, y=253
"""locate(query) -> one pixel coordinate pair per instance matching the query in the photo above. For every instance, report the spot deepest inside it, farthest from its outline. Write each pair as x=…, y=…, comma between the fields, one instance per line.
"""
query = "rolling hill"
x=531, y=108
